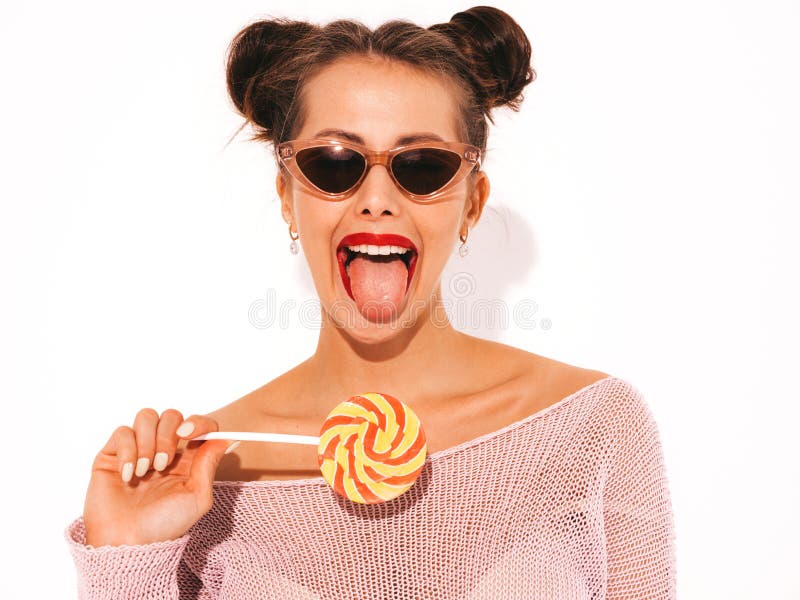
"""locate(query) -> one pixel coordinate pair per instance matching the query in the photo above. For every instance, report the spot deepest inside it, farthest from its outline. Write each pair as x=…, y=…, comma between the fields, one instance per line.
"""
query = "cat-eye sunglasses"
x=334, y=168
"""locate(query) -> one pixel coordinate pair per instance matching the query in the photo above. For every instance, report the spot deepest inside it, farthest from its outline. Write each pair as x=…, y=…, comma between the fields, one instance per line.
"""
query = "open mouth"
x=345, y=257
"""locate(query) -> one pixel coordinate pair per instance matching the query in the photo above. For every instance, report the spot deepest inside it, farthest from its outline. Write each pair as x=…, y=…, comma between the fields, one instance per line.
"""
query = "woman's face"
x=380, y=102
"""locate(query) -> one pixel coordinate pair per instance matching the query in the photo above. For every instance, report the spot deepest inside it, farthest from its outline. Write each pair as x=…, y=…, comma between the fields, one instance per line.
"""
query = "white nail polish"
x=232, y=447
x=186, y=428
x=127, y=471
x=160, y=461
x=141, y=466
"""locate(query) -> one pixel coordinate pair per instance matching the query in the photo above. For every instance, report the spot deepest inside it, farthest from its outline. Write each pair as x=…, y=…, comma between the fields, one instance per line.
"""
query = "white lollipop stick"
x=252, y=436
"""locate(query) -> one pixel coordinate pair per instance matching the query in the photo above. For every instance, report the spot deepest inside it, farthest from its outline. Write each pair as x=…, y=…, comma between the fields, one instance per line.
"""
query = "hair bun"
x=255, y=56
x=498, y=49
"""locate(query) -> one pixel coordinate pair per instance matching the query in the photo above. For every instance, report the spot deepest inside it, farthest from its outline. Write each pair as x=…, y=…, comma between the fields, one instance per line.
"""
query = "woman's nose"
x=378, y=192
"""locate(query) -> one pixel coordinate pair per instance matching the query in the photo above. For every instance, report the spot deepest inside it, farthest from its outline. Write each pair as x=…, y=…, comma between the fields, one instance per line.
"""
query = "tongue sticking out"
x=378, y=284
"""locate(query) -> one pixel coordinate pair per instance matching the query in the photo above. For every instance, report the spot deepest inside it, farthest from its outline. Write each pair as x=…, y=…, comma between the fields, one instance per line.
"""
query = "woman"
x=543, y=479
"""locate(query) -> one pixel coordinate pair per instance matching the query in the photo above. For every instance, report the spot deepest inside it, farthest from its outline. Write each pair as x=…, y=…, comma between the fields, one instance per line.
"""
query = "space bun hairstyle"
x=482, y=53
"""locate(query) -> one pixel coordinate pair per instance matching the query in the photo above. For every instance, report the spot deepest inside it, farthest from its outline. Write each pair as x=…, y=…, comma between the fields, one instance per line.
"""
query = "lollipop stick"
x=252, y=436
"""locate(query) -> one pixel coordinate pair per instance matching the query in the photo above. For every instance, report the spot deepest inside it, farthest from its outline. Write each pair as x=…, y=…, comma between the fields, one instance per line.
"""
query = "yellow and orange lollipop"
x=371, y=447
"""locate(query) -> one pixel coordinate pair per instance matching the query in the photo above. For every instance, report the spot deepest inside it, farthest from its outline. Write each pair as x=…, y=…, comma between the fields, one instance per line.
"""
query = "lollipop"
x=371, y=447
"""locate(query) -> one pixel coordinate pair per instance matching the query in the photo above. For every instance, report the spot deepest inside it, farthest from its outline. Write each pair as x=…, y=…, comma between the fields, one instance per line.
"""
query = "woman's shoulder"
x=265, y=409
x=239, y=415
x=551, y=377
x=526, y=383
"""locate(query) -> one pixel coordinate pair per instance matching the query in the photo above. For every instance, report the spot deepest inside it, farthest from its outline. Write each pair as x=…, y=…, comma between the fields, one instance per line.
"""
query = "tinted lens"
x=332, y=169
x=425, y=170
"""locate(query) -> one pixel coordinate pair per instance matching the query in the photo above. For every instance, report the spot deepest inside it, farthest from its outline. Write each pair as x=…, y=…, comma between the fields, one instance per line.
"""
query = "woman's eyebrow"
x=403, y=139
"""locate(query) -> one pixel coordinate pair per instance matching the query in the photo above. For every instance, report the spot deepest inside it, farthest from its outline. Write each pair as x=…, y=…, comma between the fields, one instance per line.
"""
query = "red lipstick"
x=376, y=239
x=373, y=239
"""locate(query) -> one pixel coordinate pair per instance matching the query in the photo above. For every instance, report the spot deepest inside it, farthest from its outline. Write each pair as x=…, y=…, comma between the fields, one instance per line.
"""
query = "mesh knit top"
x=569, y=502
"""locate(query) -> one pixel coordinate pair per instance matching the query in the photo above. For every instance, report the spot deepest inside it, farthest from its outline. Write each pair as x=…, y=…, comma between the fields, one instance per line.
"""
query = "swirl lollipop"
x=371, y=447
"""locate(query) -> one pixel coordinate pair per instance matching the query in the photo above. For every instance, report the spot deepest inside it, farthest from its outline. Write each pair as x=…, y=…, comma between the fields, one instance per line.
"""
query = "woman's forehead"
x=380, y=101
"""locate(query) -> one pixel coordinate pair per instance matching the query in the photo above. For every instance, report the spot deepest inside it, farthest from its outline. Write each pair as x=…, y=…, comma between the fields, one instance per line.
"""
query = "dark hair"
x=482, y=52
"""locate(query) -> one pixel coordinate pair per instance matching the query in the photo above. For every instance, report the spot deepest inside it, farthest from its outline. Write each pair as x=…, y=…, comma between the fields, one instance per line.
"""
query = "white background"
x=646, y=199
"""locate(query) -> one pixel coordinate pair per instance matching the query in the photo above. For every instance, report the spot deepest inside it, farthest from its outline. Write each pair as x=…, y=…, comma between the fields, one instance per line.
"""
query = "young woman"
x=543, y=479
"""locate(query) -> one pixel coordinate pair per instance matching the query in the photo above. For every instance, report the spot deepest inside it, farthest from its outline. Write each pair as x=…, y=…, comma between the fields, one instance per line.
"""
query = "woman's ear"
x=477, y=200
x=284, y=193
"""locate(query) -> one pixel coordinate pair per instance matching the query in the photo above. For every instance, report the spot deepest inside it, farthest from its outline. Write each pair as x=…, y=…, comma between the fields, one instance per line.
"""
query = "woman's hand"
x=143, y=488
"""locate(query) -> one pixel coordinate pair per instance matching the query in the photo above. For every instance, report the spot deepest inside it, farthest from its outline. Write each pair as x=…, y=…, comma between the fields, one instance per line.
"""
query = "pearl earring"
x=463, y=249
x=293, y=247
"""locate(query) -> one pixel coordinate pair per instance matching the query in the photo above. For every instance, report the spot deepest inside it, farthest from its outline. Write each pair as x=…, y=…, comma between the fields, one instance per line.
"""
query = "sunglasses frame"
x=470, y=161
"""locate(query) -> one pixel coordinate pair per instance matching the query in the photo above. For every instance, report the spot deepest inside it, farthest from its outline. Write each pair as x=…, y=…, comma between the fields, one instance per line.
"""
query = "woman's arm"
x=637, y=509
x=130, y=571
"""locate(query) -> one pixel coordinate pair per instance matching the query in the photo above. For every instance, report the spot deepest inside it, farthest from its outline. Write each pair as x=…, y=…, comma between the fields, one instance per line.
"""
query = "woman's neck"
x=420, y=362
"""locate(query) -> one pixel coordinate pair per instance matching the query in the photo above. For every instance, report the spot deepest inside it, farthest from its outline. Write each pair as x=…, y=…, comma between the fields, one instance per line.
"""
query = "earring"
x=463, y=249
x=293, y=247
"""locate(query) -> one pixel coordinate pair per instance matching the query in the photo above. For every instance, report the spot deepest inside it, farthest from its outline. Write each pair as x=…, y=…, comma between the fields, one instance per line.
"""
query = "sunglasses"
x=335, y=169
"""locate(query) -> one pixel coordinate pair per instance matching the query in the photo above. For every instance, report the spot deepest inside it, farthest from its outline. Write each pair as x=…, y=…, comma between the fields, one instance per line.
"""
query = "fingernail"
x=141, y=466
x=160, y=461
x=232, y=447
x=127, y=471
x=186, y=428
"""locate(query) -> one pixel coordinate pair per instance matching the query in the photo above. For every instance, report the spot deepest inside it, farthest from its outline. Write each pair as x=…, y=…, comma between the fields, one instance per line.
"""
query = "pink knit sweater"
x=569, y=502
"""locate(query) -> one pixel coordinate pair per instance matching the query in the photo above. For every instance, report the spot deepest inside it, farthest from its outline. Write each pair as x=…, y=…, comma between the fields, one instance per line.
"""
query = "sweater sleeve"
x=130, y=571
x=637, y=508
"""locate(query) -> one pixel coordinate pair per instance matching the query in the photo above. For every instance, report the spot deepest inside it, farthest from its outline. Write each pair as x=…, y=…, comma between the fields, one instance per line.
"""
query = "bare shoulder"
x=232, y=416
x=263, y=410
x=509, y=384
x=243, y=413
x=549, y=379
x=564, y=378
